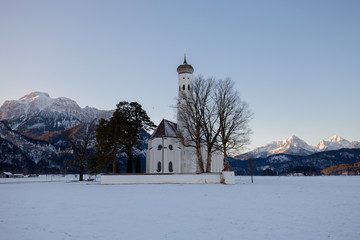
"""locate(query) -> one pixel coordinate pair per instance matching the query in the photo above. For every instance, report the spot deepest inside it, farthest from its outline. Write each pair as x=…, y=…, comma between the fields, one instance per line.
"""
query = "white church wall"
x=189, y=160
x=159, y=151
x=155, y=155
x=171, y=153
x=228, y=177
x=148, y=152
x=217, y=164
x=216, y=160
x=210, y=178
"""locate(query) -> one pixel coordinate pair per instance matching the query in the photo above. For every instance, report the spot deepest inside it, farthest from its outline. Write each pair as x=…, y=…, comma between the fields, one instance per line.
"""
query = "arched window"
x=159, y=147
x=171, y=167
x=188, y=78
x=189, y=87
x=183, y=77
x=158, y=167
x=179, y=88
x=183, y=87
x=171, y=147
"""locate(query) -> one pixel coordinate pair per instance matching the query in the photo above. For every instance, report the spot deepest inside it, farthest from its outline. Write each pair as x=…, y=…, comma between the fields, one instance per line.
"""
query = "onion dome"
x=185, y=68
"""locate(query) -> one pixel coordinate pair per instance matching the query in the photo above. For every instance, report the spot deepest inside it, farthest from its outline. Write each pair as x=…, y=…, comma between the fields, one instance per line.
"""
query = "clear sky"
x=297, y=63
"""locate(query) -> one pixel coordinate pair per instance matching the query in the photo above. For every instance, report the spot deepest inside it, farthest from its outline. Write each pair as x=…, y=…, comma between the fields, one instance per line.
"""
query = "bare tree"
x=234, y=115
x=82, y=140
x=210, y=124
x=190, y=118
x=213, y=115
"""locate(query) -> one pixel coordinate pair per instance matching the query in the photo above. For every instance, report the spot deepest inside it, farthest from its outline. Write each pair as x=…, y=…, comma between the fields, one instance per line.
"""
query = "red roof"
x=228, y=168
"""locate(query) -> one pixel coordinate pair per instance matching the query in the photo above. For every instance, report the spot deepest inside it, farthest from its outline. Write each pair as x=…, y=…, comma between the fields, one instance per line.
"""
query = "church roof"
x=165, y=129
x=228, y=168
x=185, y=67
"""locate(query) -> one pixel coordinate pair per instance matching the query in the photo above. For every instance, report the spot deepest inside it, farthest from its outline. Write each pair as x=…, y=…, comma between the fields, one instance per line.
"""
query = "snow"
x=278, y=159
x=336, y=142
x=270, y=208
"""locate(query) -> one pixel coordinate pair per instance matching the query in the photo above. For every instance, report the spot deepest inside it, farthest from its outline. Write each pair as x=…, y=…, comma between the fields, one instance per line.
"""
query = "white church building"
x=165, y=153
x=167, y=160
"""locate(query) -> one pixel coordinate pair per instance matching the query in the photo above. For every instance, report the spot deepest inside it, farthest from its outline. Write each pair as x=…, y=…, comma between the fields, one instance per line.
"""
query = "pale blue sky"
x=297, y=63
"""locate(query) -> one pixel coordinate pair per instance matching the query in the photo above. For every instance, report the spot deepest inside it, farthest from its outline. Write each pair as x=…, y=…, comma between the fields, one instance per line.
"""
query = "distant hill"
x=282, y=162
x=343, y=169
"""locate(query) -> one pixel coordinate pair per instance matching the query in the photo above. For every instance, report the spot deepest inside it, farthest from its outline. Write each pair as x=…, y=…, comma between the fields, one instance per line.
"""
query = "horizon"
x=295, y=63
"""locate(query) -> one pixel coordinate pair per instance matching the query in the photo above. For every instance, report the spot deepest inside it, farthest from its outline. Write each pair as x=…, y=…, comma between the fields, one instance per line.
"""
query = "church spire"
x=185, y=67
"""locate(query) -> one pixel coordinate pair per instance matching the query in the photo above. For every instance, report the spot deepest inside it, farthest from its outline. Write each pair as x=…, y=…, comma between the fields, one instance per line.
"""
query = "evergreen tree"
x=121, y=134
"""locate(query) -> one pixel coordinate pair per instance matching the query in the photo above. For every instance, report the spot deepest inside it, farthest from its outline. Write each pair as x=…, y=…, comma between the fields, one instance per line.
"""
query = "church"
x=166, y=153
x=167, y=159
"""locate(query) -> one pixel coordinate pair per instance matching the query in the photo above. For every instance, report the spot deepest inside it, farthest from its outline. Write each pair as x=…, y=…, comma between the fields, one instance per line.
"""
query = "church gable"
x=165, y=129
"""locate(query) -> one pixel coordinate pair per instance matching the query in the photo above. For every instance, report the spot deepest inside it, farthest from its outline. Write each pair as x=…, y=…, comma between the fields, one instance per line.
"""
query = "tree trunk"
x=129, y=167
x=81, y=170
x=138, y=165
x=199, y=157
x=208, y=160
x=252, y=169
x=225, y=157
x=114, y=162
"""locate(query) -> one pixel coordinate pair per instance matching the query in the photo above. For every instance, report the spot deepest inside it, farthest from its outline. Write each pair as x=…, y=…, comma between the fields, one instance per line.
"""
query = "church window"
x=189, y=87
x=159, y=147
x=179, y=88
x=171, y=167
x=158, y=167
x=183, y=87
x=183, y=77
x=171, y=147
x=188, y=77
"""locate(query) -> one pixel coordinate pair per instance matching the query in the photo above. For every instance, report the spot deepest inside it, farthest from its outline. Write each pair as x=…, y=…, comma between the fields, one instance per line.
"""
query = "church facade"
x=165, y=153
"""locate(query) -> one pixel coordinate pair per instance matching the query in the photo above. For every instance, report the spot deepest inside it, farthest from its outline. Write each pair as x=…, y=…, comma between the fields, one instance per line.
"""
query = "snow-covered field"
x=289, y=208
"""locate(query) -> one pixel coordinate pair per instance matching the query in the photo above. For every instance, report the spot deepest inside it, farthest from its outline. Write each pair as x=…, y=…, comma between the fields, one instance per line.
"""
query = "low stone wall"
x=205, y=178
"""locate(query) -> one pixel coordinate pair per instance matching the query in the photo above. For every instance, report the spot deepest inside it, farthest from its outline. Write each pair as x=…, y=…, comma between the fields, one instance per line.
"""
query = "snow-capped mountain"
x=291, y=145
x=296, y=146
x=26, y=148
x=335, y=143
x=37, y=113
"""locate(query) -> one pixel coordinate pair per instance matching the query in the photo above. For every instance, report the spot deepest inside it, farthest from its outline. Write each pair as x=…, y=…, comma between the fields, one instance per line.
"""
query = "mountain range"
x=296, y=146
x=34, y=130
x=292, y=163
x=37, y=113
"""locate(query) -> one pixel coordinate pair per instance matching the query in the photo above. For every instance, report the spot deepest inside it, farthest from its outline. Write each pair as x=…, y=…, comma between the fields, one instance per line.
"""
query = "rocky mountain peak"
x=37, y=113
x=34, y=95
x=336, y=142
x=336, y=139
x=295, y=145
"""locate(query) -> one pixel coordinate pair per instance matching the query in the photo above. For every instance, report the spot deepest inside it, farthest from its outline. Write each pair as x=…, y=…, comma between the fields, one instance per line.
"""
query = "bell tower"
x=185, y=79
x=185, y=83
